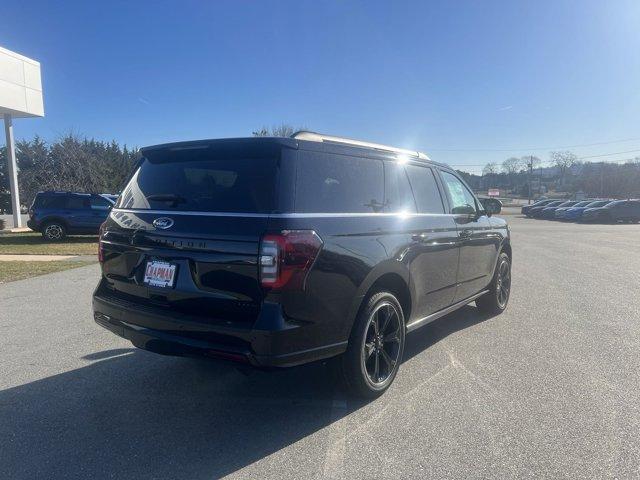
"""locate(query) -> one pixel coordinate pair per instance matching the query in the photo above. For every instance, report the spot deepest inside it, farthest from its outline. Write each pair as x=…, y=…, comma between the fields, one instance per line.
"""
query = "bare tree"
x=283, y=130
x=490, y=168
x=530, y=162
x=563, y=160
x=511, y=166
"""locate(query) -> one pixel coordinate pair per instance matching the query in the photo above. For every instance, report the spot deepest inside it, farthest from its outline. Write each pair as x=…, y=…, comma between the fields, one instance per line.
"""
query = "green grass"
x=11, y=271
x=33, y=244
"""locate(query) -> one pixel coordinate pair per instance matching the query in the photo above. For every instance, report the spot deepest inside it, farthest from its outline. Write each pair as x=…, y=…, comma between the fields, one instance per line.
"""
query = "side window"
x=462, y=200
x=55, y=202
x=425, y=189
x=398, y=197
x=75, y=202
x=338, y=184
x=99, y=203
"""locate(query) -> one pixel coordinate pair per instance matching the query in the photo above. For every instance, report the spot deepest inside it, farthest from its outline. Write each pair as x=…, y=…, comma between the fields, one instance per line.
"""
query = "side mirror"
x=491, y=207
x=464, y=210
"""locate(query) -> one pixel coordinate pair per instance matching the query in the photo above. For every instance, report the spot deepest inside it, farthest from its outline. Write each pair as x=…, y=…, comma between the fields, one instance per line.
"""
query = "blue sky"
x=462, y=81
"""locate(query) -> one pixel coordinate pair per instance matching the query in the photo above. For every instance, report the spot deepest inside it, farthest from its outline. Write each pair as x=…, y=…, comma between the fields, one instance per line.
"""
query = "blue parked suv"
x=575, y=212
x=57, y=214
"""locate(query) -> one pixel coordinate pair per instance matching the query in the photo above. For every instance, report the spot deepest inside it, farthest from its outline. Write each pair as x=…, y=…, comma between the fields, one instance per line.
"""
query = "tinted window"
x=338, y=183
x=597, y=204
x=462, y=200
x=398, y=196
x=75, y=202
x=100, y=203
x=52, y=202
x=425, y=189
x=630, y=206
x=202, y=180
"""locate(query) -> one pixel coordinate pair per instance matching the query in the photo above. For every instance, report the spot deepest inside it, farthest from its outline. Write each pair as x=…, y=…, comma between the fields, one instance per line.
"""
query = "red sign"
x=494, y=192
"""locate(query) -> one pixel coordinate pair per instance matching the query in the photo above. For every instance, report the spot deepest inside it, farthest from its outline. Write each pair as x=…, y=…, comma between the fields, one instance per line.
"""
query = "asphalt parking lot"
x=549, y=388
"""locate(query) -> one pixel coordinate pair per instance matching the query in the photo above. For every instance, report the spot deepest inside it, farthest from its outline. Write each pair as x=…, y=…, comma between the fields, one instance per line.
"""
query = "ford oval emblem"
x=163, y=223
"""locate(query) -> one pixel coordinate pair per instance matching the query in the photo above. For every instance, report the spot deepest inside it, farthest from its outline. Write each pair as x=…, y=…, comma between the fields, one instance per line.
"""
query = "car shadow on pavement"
x=133, y=414
x=421, y=339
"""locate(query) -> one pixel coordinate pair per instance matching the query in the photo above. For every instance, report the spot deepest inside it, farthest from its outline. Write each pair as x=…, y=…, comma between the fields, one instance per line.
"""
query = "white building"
x=20, y=96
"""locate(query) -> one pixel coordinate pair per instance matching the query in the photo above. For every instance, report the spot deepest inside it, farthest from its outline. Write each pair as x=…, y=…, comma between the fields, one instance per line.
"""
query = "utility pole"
x=530, y=175
x=13, y=171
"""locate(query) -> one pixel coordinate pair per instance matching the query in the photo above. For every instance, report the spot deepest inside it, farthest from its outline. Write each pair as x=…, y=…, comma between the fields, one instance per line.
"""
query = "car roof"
x=309, y=141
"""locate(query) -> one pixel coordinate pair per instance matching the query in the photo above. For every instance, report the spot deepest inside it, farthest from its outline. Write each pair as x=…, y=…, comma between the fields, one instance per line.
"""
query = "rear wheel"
x=495, y=301
x=375, y=349
x=54, y=231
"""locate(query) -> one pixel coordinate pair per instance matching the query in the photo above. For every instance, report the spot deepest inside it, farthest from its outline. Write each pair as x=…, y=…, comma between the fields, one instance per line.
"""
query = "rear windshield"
x=203, y=180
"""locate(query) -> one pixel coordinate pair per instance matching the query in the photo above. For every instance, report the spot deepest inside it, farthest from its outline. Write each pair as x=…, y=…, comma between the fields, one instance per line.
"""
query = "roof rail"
x=319, y=137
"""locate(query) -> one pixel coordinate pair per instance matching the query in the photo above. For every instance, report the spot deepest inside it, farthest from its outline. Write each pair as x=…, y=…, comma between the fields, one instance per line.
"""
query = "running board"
x=441, y=313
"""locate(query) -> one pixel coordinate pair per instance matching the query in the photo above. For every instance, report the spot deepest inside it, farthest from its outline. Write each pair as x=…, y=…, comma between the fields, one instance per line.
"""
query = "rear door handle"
x=466, y=233
x=419, y=237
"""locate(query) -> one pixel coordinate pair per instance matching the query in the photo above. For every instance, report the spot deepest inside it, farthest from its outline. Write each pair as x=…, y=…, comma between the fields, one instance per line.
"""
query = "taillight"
x=286, y=258
x=100, y=245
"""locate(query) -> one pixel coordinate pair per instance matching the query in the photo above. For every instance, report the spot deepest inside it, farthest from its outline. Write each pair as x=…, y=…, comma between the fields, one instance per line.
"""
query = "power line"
x=543, y=162
x=530, y=148
x=608, y=154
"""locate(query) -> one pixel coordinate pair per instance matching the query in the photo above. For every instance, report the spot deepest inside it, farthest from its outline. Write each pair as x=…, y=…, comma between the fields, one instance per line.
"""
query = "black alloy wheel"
x=376, y=345
x=381, y=347
x=503, y=284
x=496, y=299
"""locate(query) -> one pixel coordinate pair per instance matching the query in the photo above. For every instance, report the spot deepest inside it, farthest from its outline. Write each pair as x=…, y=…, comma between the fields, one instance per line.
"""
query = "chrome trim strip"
x=277, y=215
x=441, y=313
x=198, y=214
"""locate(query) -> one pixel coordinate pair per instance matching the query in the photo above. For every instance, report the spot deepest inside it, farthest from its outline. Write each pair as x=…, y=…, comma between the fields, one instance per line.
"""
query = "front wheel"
x=496, y=299
x=375, y=349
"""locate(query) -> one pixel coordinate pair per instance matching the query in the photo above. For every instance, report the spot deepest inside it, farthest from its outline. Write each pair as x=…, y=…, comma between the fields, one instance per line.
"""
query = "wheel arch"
x=54, y=219
x=393, y=277
x=506, y=248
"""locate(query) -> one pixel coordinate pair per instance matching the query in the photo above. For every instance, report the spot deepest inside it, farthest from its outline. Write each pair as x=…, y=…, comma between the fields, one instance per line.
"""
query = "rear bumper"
x=32, y=225
x=273, y=341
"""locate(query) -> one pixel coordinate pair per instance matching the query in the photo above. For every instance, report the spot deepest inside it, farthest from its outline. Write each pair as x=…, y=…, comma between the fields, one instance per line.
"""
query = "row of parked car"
x=593, y=210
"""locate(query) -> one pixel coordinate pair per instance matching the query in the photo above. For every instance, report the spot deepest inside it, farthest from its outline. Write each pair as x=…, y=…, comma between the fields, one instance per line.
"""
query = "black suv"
x=57, y=214
x=276, y=252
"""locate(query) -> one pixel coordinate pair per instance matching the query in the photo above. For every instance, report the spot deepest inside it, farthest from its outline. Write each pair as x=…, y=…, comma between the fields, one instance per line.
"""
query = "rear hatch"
x=185, y=233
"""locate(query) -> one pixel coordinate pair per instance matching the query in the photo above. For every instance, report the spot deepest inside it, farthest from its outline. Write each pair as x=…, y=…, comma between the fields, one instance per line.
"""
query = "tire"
x=495, y=301
x=54, y=231
x=375, y=347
